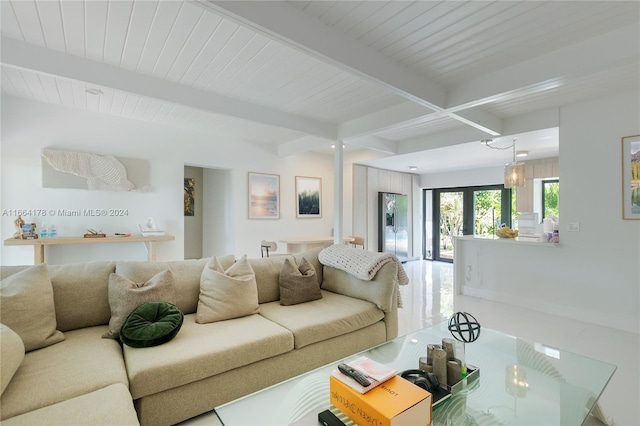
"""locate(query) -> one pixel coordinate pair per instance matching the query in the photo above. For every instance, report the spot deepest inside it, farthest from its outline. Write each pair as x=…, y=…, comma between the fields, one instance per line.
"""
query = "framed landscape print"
x=264, y=196
x=631, y=177
x=308, y=197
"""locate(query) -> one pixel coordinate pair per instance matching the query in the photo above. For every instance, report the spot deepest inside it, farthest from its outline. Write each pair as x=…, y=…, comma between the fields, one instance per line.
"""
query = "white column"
x=337, y=192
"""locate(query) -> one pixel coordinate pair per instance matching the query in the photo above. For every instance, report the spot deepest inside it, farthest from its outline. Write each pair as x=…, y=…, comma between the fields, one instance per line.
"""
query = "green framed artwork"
x=308, y=197
x=189, y=196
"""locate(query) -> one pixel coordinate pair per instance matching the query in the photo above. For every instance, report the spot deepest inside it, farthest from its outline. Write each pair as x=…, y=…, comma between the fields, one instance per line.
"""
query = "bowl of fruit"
x=505, y=232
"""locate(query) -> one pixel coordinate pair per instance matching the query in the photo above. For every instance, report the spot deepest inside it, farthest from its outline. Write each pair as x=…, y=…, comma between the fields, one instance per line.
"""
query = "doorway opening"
x=208, y=218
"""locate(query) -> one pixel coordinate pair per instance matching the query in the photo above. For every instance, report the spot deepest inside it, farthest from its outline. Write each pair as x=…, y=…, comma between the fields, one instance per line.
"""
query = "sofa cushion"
x=381, y=290
x=227, y=294
x=267, y=272
x=82, y=363
x=81, y=293
x=11, y=354
x=322, y=319
x=107, y=406
x=203, y=350
x=298, y=284
x=126, y=295
x=186, y=273
x=151, y=324
x=26, y=306
x=312, y=257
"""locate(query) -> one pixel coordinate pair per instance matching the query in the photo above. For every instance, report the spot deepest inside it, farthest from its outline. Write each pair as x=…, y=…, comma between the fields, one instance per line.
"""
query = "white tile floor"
x=429, y=298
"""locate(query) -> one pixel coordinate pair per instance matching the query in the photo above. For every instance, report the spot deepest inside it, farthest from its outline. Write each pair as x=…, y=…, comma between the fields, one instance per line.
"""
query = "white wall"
x=592, y=275
x=28, y=126
x=219, y=224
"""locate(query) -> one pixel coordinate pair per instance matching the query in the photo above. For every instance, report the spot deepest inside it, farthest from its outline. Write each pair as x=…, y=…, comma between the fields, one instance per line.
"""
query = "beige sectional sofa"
x=88, y=379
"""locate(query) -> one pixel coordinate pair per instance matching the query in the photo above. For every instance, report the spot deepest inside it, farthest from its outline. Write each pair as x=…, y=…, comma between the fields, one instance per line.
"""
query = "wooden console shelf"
x=38, y=244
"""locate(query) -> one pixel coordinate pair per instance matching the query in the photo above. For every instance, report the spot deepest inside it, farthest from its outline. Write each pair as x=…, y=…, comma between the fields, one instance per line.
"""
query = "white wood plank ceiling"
x=392, y=76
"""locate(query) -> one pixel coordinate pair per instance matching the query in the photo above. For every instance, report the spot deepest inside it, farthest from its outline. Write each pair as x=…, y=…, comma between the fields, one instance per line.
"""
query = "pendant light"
x=513, y=171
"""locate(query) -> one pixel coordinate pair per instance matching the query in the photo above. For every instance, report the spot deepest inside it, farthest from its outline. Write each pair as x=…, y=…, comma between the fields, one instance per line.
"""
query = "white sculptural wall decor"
x=68, y=169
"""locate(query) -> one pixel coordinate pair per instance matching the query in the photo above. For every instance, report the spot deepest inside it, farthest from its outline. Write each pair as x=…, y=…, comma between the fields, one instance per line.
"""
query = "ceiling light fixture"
x=413, y=168
x=514, y=171
x=93, y=90
x=334, y=145
x=522, y=153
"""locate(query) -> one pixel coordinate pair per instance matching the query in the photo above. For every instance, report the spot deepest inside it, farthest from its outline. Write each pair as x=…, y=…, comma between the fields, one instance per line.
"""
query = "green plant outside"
x=487, y=208
x=551, y=199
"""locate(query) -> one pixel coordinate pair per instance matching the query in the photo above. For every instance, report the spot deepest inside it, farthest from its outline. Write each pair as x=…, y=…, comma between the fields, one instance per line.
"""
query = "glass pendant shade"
x=514, y=174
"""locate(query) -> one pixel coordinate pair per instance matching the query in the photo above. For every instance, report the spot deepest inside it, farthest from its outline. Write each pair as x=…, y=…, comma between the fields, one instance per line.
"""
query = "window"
x=550, y=198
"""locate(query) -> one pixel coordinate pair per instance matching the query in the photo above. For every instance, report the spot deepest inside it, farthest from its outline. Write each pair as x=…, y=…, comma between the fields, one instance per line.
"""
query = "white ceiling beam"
x=544, y=119
x=23, y=55
x=480, y=119
x=385, y=119
x=300, y=145
x=280, y=21
x=549, y=70
x=524, y=79
x=442, y=139
x=407, y=115
x=376, y=144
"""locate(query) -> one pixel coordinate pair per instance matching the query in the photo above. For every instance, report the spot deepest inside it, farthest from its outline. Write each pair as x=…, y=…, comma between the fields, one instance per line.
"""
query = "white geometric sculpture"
x=100, y=171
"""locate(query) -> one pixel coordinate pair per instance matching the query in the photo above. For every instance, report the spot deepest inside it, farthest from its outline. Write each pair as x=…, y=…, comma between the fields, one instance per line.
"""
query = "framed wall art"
x=308, y=197
x=631, y=177
x=189, y=196
x=264, y=196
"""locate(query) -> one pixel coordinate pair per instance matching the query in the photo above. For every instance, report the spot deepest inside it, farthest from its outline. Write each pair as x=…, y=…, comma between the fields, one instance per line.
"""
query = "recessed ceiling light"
x=414, y=168
x=522, y=153
x=93, y=90
x=333, y=146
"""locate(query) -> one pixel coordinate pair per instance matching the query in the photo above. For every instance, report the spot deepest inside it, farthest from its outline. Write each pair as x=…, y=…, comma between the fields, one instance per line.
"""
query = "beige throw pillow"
x=11, y=354
x=298, y=284
x=227, y=294
x=26, y=306
x=126, y=295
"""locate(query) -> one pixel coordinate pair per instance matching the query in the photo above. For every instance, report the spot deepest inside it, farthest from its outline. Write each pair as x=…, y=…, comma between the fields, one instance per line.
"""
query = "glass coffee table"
x=555, y=387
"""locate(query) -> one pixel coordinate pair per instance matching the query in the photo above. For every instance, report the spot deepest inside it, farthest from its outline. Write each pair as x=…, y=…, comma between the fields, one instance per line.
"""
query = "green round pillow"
x=151, y=324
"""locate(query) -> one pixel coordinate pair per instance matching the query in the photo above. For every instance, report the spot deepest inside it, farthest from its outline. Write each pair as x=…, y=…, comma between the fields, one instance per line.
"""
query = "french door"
x=477, y=210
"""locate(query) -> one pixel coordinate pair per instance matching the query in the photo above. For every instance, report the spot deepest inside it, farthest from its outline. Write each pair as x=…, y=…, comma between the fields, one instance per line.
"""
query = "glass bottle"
x=44, y=231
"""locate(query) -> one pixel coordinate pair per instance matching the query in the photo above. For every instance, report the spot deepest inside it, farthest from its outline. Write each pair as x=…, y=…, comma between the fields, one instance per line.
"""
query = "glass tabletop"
x=555, y=386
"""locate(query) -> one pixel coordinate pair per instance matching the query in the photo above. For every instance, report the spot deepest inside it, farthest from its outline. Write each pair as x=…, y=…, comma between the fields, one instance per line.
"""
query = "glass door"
x=487, y=211
x=467, y=211
x=450, y=222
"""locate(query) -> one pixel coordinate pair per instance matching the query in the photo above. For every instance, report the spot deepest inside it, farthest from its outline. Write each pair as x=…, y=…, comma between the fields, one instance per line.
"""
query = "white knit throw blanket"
x=362, y=264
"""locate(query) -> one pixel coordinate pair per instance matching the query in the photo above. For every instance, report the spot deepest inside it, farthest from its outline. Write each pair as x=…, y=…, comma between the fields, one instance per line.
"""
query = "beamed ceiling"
x=416, y=82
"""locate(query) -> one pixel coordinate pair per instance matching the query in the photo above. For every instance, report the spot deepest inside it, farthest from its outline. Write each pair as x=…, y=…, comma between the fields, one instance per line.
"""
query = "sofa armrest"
x=381, y=291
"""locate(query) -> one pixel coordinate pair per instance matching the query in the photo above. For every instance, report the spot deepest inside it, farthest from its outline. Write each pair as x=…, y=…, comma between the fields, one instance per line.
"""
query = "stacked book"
x=372, y=374
x=368, y=392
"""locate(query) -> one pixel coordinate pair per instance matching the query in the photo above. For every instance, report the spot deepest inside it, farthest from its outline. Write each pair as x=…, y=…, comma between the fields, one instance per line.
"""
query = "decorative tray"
x=95, y=235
